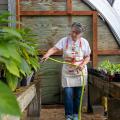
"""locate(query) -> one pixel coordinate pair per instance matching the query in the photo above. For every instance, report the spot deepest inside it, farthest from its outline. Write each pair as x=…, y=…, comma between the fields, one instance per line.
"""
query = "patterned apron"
x=71, y=77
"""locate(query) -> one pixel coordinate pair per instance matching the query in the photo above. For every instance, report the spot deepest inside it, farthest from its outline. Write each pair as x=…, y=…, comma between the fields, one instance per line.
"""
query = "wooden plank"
x=3, y=5
x=112, y=58
x=50, y=29
x=58, y=0
x=26, y=97
x=43, y=5
x=108, y=88
x=33, y=111
x=108, y=52
x=105, y=36
x=69, y=6
x=79, y=5
x=4, y=2
x=18, y=13
x=35, y=13
x=50, y=73
x=26, y=94
x=113, y=109
x=95, y=50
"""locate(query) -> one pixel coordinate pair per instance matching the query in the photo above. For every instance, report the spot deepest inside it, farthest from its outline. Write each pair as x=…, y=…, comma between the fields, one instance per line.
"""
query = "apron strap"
x=67, y=43
x=80, y=44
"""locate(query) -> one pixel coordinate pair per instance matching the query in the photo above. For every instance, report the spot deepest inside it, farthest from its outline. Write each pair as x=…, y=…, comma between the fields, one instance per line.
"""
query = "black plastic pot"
x=2, y=78
x=23, y=82
x=111, y=78
x=97, y=73
x=117, y=77
x=26, y=80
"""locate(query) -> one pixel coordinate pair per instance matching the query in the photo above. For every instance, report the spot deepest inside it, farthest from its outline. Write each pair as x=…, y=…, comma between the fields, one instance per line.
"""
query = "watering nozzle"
x=42, y=60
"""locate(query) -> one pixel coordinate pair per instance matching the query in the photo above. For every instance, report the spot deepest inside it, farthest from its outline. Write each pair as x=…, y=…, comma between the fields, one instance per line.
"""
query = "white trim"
x=12, y=10
x=109, y=14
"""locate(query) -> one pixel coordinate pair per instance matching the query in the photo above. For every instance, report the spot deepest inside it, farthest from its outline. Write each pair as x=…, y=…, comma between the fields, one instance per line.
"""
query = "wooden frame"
x=69, y=12
x=18, y=13
x=55, y=13
x=109, y=52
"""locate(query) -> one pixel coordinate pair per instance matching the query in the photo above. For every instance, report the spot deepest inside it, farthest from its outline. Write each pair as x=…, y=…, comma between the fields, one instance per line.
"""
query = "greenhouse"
x=60, y=59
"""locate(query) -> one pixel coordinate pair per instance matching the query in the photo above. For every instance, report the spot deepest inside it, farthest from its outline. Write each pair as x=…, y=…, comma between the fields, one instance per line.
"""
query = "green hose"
x=83, y=86
x=81, y=98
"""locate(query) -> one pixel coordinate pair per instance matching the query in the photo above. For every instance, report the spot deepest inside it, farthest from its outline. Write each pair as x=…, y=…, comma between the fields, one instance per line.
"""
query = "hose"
x=83, y=86
x=81, y=98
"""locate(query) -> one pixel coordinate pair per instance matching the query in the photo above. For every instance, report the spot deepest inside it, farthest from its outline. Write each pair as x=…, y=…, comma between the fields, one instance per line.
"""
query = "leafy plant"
x=8, y=102
x=18, y=53
x=109, y=67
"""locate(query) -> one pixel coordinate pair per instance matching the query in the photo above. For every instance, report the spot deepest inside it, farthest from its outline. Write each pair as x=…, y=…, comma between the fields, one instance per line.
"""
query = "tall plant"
x=18, y=53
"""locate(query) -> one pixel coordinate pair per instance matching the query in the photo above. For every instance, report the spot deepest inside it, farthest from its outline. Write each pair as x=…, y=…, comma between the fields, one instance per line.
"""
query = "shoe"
x=75, y=117
x=69, y=117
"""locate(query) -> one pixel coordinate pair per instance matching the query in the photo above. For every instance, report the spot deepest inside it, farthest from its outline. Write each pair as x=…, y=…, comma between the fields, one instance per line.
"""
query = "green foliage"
x=8, y=102
x=109, y=67
x=18, y=52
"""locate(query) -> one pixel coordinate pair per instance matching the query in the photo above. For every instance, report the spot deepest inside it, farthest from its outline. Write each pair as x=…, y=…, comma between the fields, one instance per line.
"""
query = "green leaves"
x=24, y=67
x=34, y=63
x=18, y=57
x=109, y=67
x=18, y=54
x=12, y=67
x=11, y=80
x=8, y=102
x=8, y=50
x=12, y=32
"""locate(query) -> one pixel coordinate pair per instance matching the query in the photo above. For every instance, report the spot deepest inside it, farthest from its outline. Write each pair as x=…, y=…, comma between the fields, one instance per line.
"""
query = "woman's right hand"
x=50, y=52
x=45, y=57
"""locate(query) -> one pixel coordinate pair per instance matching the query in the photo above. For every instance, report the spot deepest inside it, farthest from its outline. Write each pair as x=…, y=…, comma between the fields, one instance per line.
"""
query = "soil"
x=58, y=114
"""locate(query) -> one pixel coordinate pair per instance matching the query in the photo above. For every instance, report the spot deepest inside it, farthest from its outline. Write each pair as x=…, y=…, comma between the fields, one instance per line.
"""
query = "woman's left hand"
x=80, y=67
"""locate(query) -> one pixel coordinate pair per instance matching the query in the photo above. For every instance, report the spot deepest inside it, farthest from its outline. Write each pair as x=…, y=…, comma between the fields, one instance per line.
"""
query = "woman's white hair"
x=78, y=26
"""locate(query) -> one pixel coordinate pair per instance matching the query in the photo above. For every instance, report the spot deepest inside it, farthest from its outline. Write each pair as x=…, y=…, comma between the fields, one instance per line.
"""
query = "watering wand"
x=83, y=86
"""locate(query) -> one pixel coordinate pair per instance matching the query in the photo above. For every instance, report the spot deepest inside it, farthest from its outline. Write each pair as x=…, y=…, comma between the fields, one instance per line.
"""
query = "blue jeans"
x=72, y=100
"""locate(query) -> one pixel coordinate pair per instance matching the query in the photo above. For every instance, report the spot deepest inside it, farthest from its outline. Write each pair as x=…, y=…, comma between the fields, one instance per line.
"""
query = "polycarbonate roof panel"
x=109, y=14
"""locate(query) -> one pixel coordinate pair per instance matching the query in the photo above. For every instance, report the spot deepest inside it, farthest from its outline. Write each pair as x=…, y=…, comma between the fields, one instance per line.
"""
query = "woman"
x=76, y=50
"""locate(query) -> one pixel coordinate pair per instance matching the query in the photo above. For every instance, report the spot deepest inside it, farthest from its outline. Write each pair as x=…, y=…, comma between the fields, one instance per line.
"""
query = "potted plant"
x=117, y=73
x=111, y=70
x=18, y=53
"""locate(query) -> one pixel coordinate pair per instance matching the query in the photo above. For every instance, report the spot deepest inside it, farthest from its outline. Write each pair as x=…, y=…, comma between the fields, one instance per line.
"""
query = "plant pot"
x=2, y=78
x=97, y=73
x=117, y=77
x=23, y=82
x=93, y=71
x=111, y=78
x=26, y=80
x=32, y=76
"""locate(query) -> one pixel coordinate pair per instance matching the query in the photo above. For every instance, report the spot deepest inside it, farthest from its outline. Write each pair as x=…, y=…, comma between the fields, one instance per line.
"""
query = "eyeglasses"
x=74, y=32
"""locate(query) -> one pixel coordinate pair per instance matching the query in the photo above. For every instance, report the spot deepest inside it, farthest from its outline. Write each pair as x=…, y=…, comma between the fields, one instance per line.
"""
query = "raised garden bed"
x=107, y=71
x=28, y=98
